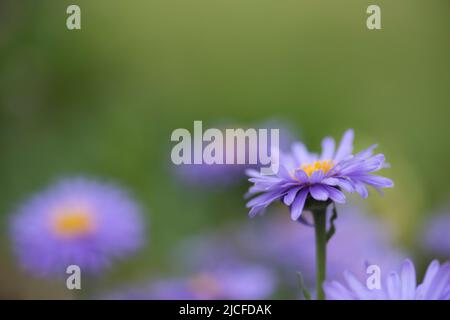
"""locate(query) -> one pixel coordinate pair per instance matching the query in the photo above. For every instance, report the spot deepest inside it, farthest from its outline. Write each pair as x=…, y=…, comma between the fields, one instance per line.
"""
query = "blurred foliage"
x=103, y=101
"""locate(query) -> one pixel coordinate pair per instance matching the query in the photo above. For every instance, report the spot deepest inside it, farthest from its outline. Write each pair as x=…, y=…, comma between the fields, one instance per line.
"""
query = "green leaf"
x=332, y=229
x=303, y=289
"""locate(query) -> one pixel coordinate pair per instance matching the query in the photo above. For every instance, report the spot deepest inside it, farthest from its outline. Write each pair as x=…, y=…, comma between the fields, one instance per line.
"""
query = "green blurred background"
x=104, y=100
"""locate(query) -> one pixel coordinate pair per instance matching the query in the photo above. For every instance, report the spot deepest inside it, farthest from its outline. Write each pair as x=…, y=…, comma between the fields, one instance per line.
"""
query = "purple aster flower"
x=436, y=235
x=242, y=282
x=396, y=286
x=76, y=222
x=303, y=175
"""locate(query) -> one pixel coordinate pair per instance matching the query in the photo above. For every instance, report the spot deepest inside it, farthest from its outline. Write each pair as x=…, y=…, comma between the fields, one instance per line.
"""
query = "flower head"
x=76, y=222
x=397, y=286
x=304, y=176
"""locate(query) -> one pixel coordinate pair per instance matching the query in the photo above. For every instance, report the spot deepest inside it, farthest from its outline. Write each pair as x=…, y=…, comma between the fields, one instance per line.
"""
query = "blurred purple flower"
x=225, y=175
x=436, y=238
x=204, y=175
x=303, y=175
x=397, y=286
x=359, y=240
x=241, y=282
x=286, y=131
x=76, y=222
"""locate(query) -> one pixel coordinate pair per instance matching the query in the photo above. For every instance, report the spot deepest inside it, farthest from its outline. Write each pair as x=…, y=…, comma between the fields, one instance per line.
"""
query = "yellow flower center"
x=324, y=165
x=205, y=285
x=72, y=222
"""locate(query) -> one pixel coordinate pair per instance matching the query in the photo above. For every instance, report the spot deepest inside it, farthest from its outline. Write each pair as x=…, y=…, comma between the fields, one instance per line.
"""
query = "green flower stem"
x=320, y=219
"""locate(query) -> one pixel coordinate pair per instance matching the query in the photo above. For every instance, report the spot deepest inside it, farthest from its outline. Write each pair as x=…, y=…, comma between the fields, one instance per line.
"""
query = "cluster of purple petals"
x=294, y=186
x=119, y=228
